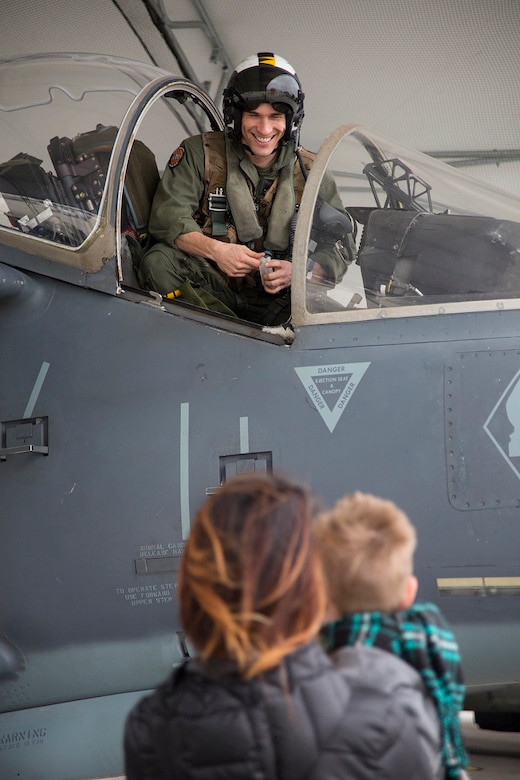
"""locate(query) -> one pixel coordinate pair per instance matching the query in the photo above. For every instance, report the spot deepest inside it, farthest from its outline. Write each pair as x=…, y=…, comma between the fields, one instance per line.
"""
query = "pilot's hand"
x=278, y=277
x=237, y=259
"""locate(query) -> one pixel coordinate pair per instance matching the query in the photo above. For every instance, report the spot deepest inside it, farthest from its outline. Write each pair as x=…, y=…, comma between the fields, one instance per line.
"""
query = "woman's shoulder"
x=365, y=709
x=392, y=705
x=375, y=667
x=381, y=678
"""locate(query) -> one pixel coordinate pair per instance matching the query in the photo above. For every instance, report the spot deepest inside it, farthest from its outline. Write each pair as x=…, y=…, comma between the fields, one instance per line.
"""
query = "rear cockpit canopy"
x=60, y=116
x=83, y=143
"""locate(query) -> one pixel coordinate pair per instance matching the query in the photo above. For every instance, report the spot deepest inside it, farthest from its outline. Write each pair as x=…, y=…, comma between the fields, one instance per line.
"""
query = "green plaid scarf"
x=421, y=637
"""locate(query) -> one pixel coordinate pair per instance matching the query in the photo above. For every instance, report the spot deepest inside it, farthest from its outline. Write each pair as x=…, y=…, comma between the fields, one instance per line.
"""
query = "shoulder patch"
x=176, y=157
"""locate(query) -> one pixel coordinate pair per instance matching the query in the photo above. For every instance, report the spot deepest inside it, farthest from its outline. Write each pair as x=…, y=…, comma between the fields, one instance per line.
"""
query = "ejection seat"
x=81, y=164
x=44, y=203
x=442, y=256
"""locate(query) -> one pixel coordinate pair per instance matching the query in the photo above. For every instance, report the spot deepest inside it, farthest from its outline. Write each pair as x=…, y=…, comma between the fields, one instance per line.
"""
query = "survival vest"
x=215, y=180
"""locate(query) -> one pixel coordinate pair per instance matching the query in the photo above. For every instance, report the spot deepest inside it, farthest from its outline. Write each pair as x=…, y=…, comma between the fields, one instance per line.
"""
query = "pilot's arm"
x=176, y=207
x=179, y=193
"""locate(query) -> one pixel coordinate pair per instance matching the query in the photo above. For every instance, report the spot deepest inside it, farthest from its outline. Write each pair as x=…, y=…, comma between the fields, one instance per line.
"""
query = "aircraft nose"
x=12, y=282
x=11, y=661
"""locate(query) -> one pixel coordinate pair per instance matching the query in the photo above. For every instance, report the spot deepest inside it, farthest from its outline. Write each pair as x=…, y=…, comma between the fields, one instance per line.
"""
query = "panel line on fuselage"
x=40, y=379
x=244, y=435
x=184, y=466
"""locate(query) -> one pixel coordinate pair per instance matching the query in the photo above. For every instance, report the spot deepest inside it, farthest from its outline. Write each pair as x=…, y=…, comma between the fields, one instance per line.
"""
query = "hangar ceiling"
x=440, y=76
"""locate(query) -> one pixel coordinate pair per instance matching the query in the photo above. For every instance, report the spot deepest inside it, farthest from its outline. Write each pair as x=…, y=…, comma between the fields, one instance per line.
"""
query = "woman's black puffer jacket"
x=306, y=719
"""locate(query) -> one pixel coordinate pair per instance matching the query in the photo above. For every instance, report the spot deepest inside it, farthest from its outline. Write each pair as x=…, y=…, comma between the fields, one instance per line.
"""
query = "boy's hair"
x=251, y=587
x=366, y=545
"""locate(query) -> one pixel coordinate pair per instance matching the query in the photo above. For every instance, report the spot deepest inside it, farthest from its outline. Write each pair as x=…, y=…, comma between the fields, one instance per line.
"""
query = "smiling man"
x=224, y=211
x=262, y=131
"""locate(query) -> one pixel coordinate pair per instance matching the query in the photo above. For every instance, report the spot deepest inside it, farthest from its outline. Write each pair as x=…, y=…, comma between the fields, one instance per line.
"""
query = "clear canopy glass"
x=60, y=115
x=424, y=232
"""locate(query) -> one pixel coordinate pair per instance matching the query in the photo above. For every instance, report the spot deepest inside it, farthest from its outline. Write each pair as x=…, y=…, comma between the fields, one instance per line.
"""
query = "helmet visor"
x=259, y=84
x=252, y=101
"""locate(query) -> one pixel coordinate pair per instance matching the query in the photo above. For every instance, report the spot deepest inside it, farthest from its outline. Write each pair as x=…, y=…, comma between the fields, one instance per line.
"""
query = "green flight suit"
x=180, y=207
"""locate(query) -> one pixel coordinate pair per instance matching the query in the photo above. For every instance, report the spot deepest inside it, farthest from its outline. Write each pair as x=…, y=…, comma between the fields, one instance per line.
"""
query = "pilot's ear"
x=410, y=592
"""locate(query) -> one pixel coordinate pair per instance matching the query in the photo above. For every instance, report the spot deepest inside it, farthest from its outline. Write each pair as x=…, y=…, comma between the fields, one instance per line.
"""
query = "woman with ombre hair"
x=250, y=586
x=261, y=700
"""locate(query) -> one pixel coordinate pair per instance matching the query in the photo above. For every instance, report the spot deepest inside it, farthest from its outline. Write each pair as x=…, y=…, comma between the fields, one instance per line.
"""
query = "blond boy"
x=367, y=546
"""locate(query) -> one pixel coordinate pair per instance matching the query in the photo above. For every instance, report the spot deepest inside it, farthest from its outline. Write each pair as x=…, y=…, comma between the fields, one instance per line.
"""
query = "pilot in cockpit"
x=224, y=213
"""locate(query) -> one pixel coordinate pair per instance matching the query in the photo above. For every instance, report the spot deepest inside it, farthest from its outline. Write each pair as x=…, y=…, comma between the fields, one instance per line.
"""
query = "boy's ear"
x=331, y=612
x=410, y=593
